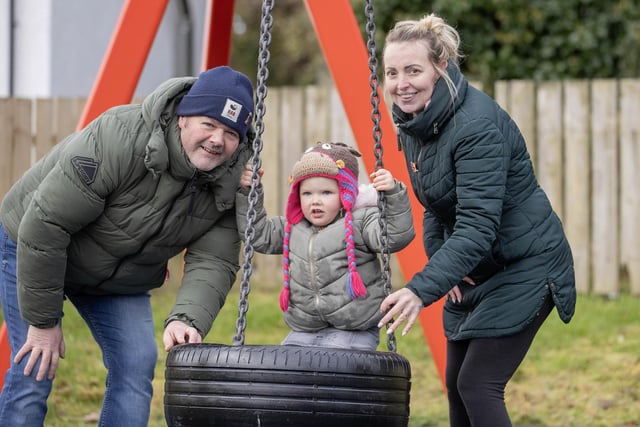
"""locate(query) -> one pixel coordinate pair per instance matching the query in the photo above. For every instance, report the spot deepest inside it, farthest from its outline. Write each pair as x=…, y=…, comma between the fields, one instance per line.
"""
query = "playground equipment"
x=269, y=385
x=345, y=54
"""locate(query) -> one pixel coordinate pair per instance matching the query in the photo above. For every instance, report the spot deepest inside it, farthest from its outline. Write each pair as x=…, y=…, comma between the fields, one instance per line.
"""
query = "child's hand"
x=245, y=178
x=382, y=180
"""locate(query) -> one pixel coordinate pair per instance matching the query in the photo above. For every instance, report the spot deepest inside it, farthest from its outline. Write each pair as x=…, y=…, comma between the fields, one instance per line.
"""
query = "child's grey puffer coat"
x=318, y=261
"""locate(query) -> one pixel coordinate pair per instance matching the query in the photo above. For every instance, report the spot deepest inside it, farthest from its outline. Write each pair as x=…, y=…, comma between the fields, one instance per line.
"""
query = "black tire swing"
x=272, y=385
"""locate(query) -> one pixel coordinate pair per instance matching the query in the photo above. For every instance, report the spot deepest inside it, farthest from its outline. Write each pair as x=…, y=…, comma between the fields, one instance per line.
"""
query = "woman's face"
x=409, y=76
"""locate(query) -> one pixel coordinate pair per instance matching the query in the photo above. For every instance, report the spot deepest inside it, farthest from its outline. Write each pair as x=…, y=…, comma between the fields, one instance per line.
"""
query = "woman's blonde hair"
x=440, y=39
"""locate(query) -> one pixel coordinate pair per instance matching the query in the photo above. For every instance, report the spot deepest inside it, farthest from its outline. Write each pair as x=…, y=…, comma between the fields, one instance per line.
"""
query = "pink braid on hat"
x=348, y=194
x=284, y=294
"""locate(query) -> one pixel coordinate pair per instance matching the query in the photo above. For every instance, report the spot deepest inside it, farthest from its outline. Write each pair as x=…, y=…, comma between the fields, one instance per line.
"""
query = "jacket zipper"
x=192, y=197
x=312, y=275
x=417, y=179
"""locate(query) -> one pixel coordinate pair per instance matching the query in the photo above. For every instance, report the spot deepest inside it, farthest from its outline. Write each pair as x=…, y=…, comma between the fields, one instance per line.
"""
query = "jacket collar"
x=164, y=151
x=427, y=124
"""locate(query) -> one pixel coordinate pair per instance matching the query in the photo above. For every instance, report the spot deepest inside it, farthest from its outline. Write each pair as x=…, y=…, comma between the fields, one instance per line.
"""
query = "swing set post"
x=125, y=57
x=216, y=48
x=5, y=353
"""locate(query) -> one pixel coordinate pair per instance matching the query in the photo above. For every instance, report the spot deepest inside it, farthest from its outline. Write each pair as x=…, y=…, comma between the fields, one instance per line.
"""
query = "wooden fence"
x=584, y=138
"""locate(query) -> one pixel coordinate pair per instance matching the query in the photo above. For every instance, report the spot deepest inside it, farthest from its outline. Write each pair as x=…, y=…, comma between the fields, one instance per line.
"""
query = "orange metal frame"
x=347, y=58
x=125, y=58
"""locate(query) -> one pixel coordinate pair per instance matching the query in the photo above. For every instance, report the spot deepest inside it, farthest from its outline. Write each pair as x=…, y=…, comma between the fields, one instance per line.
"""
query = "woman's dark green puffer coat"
x=485, y=216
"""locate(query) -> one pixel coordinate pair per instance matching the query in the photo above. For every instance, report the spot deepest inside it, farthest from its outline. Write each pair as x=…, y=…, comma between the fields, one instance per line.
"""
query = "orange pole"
x=347, y=57
x=125, y=58
x=5, y=353
x=217, y=33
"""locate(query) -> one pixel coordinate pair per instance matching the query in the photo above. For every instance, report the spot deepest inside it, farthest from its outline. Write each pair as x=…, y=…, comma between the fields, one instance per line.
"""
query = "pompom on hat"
x=221, y=93
x=329, y=160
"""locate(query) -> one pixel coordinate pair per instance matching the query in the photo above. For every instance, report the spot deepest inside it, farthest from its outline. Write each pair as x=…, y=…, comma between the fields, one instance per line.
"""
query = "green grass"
x=583, y=374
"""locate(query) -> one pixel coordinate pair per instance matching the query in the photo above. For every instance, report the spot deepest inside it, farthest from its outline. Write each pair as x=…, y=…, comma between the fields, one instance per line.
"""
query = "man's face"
x=207, y=142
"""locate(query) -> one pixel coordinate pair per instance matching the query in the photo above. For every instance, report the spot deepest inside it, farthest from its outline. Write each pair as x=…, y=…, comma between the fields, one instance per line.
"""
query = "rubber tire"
x=262, y=385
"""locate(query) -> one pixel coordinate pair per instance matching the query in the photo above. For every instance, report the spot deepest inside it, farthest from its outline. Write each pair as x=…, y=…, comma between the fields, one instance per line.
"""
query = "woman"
x=495, y=246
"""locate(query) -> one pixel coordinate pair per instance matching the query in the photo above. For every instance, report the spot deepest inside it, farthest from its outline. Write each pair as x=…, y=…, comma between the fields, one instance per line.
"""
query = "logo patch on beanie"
x=231, y=110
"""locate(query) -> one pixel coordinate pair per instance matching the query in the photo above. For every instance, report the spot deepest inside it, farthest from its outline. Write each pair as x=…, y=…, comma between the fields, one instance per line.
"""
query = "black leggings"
x=478, y=371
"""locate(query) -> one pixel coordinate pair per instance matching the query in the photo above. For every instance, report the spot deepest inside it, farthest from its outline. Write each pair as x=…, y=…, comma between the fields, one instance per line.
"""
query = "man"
x=96, y=221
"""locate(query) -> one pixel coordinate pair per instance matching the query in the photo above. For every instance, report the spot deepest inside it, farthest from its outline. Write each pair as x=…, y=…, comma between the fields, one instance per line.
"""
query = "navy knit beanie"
x=222, y=94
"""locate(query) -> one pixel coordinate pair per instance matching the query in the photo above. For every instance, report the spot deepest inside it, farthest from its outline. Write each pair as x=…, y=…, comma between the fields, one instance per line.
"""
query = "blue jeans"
x=122, y=325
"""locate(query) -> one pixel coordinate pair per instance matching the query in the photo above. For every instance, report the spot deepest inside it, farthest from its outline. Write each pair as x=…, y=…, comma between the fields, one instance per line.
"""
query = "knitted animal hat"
x=330, y=160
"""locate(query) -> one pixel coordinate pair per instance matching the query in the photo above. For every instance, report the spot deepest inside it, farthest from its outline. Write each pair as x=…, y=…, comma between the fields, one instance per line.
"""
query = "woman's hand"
x=405, y=303
x=455, y=295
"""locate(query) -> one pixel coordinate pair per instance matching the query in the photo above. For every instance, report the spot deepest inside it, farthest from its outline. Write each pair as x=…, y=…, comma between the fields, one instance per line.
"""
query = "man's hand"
x=178, y=332
x=46, y=345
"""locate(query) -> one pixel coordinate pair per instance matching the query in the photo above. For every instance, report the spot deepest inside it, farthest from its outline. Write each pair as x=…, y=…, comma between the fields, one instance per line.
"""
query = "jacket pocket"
x=563, y=291
x=486, y=269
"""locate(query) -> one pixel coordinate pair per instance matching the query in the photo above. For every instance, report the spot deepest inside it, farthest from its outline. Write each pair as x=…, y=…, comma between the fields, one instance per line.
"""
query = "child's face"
x=320, y=200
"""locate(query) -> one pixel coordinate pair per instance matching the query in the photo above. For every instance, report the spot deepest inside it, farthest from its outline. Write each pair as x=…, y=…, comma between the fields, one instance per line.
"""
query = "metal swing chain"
x=261, y=94
x=378, y=151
